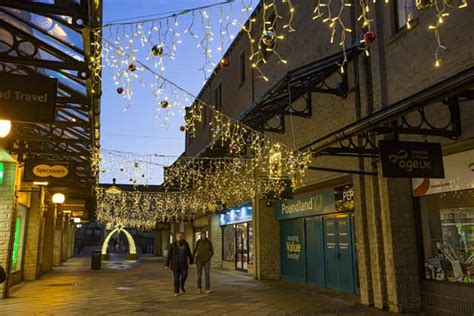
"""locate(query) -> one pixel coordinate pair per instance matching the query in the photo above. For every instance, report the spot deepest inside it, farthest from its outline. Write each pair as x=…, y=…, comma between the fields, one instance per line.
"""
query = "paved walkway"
x=145, y=287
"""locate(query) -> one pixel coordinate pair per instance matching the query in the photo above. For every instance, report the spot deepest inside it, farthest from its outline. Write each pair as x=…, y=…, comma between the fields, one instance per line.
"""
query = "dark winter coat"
x=172, y=259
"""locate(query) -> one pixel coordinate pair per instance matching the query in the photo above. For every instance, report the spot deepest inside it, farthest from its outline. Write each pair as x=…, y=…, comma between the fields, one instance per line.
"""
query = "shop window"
x=250, y=243
x=243, y=64
x=228, y=243
x=404, y=10
x=218, y=96
x=448, y=236
x=19, y=239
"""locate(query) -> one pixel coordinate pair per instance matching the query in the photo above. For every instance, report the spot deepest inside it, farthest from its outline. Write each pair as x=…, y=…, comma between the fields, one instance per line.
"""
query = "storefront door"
x=339, y=251
x=315, y=251
x=242, y=249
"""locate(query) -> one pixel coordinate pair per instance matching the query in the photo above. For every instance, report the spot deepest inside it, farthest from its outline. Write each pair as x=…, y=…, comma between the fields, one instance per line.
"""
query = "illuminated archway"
x=131, y=243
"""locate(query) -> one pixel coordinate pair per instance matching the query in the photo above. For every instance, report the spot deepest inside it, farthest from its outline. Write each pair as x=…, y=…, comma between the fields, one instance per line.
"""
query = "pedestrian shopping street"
x=145, y=287
x=311, y=157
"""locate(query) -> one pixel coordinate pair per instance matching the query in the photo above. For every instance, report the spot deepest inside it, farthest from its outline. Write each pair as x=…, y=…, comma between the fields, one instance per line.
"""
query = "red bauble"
x=119, y=90
x=369, y=37
x=132, y=67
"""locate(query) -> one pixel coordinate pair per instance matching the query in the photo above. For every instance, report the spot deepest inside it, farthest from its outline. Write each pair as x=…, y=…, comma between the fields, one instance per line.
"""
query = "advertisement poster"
x=459, y=169
x=292, y=245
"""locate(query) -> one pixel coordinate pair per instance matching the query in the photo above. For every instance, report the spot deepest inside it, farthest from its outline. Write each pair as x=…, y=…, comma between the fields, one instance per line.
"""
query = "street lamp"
x=58, y=198
x=5, y=127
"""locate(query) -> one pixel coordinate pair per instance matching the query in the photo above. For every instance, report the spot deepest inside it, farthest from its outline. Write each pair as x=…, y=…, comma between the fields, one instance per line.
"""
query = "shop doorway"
x=339, y=252
x=242, y=247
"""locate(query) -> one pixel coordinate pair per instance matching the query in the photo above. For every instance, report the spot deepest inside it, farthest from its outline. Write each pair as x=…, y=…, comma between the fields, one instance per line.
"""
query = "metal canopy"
x=359, y=138
x=279, y=100
x=55, y=39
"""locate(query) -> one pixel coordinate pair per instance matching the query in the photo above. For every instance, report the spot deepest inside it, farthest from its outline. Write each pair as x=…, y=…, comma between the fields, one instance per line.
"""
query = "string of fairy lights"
x=194, y=184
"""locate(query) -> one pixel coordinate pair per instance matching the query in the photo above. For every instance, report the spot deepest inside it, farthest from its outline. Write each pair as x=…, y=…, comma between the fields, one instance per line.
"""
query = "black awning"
x=450, y=91
x=294, y=85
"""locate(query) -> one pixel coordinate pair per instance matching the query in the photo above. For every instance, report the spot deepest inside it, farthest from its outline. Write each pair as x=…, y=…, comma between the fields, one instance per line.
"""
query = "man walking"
x=203, y=251
x=177, y=260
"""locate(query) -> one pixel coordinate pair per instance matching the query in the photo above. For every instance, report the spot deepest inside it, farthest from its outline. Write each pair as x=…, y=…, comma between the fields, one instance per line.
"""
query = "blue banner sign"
x=316, y=203
x=236, y=215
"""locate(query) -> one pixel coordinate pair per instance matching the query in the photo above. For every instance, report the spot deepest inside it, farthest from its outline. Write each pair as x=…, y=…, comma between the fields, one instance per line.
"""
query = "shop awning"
x=358, y=139
x=53, y=39
x=279, y=100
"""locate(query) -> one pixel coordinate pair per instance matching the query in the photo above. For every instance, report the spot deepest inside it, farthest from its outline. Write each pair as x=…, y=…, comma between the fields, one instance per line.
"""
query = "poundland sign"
x=317, y=203
x=28, y=99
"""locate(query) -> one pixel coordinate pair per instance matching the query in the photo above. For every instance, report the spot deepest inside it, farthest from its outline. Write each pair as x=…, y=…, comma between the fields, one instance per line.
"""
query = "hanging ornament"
x=136, y=164
x=119, y=90
x=369, y=37
x=132, y=67
x=164, y=104
x=157, y=50
x=424, y=4
x=182, y=128
x=224, y=63
x=143, y=176
x=121, y=169
x=268, y=38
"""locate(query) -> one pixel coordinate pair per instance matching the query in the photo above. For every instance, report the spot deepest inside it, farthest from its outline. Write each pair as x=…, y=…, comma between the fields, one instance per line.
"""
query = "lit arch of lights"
x=131, y=242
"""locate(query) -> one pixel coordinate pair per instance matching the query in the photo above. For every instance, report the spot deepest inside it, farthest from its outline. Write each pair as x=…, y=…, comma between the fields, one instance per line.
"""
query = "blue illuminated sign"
x=236, y=215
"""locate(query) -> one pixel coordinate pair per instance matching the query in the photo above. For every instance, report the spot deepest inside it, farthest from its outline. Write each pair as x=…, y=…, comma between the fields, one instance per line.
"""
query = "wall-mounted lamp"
x=5, y=127
x=58, y=198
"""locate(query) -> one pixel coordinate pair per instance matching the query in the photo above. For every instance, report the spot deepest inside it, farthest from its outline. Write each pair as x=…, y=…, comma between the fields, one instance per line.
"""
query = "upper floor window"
x=218, y=96
x=242, y=66
x=404, y=10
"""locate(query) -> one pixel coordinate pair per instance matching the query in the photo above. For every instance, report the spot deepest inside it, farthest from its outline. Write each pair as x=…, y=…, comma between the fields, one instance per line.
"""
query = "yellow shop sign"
x=45, y=171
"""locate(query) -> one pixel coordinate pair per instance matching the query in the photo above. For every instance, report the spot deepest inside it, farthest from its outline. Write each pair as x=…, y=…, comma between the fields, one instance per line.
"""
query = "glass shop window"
x=228, y=240
x=19, y=238
x=404, y=10
x=448, y=236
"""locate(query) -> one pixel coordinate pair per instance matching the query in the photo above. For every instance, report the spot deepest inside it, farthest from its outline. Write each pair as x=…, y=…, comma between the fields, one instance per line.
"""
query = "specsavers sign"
x=317, y=203
x=49, y=171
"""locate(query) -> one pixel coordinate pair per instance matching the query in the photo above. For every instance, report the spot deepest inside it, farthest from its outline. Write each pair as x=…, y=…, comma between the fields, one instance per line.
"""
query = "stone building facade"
x=386, y=94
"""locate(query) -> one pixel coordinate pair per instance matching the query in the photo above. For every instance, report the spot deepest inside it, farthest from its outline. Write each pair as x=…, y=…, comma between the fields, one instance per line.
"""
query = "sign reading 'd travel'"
x=28, y=99
x=411, y=159
x=49, y=171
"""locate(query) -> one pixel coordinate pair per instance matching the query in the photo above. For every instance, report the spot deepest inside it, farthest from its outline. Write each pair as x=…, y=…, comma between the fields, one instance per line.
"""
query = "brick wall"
x=401, y=64
x=215, y=234
x=7, y=200
x=32, y=247
x=266, y=242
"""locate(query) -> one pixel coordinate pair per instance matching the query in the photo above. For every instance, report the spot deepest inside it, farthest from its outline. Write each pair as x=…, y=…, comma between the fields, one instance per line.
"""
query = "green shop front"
x=317, y=244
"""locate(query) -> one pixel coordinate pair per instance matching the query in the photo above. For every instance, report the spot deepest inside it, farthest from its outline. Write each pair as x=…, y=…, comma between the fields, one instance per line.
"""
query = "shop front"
x=446, y=229
x=317, y=242
x=18, y=244
x=237, y=238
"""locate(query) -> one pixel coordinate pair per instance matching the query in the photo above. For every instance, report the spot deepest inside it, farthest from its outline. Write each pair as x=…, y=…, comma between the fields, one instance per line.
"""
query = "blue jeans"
x=207, y=267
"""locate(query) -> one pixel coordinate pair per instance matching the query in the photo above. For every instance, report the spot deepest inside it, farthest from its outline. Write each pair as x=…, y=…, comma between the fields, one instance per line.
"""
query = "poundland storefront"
x=317, y=242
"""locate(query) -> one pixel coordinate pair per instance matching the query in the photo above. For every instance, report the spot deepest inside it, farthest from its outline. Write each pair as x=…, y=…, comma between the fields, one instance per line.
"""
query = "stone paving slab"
x=145, y=288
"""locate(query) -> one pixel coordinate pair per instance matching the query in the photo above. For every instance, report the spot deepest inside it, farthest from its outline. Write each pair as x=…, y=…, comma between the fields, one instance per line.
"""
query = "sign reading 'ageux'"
x=28, y=99
x=411, y=159
x=49, y=171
